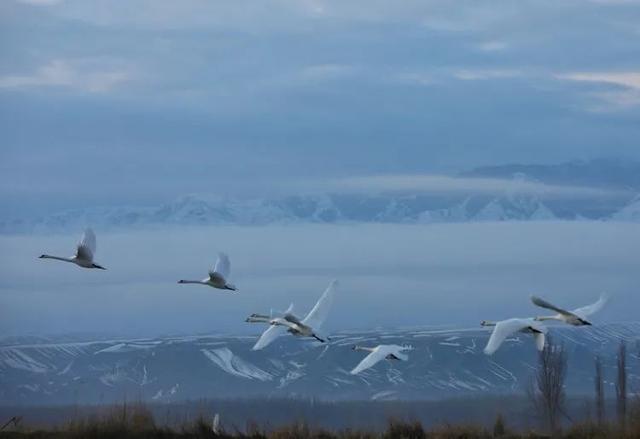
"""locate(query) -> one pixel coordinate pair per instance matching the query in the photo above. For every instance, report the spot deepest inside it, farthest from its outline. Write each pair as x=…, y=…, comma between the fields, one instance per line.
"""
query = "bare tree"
x=547, y=391
x=16, y=420
x=599, y=387
x=621, y=385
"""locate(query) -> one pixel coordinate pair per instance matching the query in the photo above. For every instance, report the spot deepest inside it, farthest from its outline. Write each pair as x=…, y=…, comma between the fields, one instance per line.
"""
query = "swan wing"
x=586, y=311
x=268, y=336
x=290, y=309
x=318, y=314
x=544, y=304
x=371, y=359
x=222, y=267
x=503, y=330
x=87, y=246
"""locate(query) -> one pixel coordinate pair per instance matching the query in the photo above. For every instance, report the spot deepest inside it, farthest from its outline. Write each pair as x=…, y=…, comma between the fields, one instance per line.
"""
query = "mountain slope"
x=444, y=363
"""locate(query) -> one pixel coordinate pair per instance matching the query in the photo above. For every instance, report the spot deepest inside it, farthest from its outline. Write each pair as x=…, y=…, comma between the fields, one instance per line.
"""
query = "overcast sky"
x=142, y=101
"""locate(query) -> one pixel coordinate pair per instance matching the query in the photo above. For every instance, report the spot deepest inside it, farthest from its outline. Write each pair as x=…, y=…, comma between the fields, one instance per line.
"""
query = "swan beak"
x=41, y=256
x=99, y=267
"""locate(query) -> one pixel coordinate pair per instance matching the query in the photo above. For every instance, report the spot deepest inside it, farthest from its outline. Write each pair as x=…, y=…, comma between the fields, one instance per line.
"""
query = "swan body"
x=505, y=328
x=215, y=424
x=309, y=326
x=379, y=353
x=576, y=317
x=85, y=251
x=218, y=276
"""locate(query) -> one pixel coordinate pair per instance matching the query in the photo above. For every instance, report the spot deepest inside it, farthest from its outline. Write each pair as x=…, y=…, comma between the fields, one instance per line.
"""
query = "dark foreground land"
x=273, y=413
x=139, y=421
x=139, y=427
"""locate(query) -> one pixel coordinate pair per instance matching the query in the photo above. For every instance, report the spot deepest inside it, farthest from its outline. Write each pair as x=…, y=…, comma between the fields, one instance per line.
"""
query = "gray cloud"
x=447, y=184
x=78, y=74
x=621, y=89
x=241, y=96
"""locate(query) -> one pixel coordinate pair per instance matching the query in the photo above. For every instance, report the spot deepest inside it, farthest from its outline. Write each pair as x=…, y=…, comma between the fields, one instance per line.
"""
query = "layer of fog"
x=391, y=275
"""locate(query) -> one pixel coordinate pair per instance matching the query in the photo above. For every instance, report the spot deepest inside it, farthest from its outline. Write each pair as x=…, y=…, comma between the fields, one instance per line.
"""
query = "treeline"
x=547, y=391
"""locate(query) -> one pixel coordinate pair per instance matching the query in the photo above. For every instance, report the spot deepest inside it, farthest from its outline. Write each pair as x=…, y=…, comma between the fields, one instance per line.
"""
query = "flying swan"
x=379, y=353
x=307, y=327
x=577, y=317
x=218, y=276
x=505, y=328
x=85, y=251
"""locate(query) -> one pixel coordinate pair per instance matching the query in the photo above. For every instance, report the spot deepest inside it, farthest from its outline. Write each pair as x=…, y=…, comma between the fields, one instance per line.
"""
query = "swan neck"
x=362, y=348
x=59, y=258
x=258, y=318
x=543, y=318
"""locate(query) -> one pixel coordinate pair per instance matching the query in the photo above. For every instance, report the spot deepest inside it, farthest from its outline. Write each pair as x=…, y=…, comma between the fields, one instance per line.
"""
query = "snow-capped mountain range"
x=443, y=363
x=619, y=178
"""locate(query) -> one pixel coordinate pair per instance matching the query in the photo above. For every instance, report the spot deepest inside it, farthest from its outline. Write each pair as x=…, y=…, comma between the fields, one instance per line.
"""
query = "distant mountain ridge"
x=511, y=205
x=444, y=363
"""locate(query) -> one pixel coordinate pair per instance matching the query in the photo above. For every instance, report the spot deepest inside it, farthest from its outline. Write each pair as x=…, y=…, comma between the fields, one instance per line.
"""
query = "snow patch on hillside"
x=230, y=363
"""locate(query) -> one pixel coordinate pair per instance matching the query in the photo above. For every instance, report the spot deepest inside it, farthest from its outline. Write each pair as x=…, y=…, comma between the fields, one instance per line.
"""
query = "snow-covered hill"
x=630, y=212
x=192, y=210
x=444, y=363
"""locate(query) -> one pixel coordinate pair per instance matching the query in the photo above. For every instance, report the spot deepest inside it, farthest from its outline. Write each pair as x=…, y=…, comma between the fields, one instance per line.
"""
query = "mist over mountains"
x=617, y=198
x=606, y=173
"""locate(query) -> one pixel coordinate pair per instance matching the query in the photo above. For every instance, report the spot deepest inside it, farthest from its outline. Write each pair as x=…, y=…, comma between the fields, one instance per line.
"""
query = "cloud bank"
x=238, y=96
x=447, y=184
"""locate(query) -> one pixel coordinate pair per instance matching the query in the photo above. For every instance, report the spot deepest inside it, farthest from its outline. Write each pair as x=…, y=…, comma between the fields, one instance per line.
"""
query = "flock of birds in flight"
x=310, y=325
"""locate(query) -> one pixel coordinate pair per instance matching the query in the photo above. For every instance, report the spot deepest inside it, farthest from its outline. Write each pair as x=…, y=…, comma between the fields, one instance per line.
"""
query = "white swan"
x=215, y=424
x=85, y=251
x=505, y=328
x=577, y=317
x=218, y=276
x=379, y=353
x=307, y=327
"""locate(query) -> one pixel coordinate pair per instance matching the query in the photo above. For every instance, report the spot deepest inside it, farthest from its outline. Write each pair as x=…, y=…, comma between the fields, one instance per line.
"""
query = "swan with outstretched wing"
x=309, y=326
x=506, y=328
x=576, y=317
x=379, y=353
x=85, y=251
x=218, y=276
